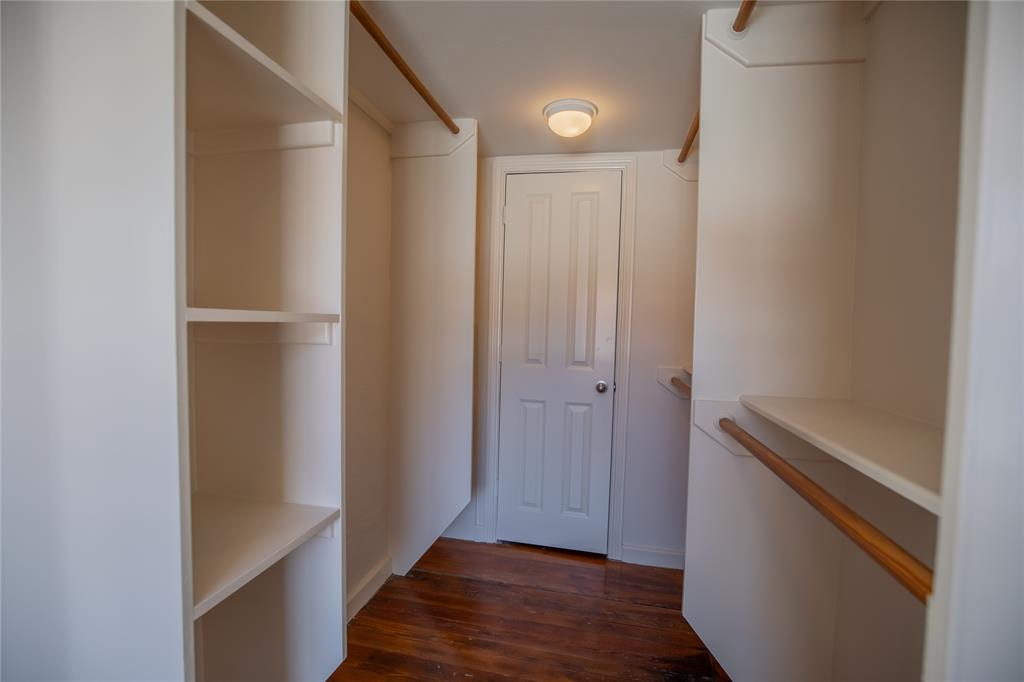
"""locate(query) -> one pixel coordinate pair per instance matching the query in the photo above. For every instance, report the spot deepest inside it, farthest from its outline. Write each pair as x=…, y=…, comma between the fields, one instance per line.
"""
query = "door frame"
x=486, y=485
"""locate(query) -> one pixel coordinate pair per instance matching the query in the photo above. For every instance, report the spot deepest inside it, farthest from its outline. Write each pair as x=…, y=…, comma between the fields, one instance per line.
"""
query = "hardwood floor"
x=470, y=610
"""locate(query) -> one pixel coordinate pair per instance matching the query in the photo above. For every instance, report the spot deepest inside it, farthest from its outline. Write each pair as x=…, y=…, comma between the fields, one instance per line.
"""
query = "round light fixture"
x=570, y=117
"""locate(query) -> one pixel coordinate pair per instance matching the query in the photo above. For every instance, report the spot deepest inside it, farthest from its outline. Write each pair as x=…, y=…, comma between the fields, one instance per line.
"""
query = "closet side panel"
x=367, y=350
x=777, y=216
x=476, y=522
x=92, y=529
x=433, y=268
x=976, y=613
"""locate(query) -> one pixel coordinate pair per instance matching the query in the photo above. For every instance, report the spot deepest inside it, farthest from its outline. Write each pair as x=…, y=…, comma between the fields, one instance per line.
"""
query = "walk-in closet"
x=608, y=339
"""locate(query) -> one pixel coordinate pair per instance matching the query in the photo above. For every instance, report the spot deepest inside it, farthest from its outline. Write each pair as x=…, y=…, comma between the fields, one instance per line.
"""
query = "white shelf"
x=232, y=315
x=903, y=455
x=233, y=541
x=232, y=84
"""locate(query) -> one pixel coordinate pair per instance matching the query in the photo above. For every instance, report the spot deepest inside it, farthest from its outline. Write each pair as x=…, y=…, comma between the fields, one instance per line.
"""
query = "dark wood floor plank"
x=585, y=649
x=543, y=605
x=570, y=572
x=470, y=610
x=365, y=662
x=546, y=625
x=457, y=649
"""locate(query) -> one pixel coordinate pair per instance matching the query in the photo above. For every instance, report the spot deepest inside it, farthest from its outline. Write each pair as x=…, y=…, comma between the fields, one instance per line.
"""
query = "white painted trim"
x=627, y=165
x=800, y=34
x=689, y=169
x=367, y=106
x=665, y=376
x=430, y=138
x=367, y=586
x=653, y=556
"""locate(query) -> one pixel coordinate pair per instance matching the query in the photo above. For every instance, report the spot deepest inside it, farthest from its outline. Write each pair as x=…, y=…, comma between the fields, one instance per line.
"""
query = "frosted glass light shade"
x=570, y=117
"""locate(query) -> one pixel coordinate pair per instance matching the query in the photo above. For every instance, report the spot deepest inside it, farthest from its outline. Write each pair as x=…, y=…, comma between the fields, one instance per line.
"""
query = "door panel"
x=558, y=342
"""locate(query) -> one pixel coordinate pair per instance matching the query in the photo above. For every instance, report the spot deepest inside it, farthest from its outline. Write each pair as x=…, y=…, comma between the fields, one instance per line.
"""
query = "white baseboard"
x=653, y=556
x=368, y=586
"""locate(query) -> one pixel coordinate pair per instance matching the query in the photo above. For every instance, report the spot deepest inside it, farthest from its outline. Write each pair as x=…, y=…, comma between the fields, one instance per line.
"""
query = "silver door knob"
x=601, y=386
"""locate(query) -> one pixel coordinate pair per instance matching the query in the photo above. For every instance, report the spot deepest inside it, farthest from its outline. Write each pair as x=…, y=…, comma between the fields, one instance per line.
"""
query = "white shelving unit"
x=824, y=298
x=263, y=247
x=903, y=455
x=233, y=84
x=234, y=540
x=232, y=315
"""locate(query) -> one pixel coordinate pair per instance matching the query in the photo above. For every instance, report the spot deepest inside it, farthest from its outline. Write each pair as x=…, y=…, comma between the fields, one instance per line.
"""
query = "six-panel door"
x=558, y=358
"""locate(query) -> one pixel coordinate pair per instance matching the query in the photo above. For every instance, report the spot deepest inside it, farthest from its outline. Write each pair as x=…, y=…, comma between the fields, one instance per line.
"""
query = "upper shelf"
x=233, y=315
x=232, y=84
x=903, y=455
x=233, y=541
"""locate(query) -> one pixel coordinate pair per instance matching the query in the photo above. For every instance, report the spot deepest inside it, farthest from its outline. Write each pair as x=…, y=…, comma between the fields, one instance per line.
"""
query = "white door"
x=558, y=358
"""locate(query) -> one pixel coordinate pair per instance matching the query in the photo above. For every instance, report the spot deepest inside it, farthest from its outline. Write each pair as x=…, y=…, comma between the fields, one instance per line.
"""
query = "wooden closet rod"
x=914, y=575
x=378, y=36
x=743, y=16
x=683, y=387
x=739, y=25
x=690, y=137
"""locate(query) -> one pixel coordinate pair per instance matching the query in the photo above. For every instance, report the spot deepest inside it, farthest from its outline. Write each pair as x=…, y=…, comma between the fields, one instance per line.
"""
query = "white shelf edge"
x=237, y=582
x=261, y=58
x=901, y=485
x=233, y=315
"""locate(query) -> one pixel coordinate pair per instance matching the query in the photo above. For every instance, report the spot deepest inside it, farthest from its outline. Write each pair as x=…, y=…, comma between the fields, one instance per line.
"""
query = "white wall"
x=654, y=495
x=367, y=362
x=658, y=430
x=92, y=528
x=909, y=163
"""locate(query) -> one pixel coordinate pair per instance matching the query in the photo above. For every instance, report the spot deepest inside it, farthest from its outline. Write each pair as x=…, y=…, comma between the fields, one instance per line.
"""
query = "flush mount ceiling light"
x=570, y=117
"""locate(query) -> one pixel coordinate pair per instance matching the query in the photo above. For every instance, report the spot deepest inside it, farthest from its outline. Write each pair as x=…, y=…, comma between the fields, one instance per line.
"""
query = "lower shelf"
x=903, y=455
x=233, y=315
x=234, y=540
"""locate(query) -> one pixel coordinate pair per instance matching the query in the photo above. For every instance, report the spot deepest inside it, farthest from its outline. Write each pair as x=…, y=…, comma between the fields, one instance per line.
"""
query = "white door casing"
x=560, y=288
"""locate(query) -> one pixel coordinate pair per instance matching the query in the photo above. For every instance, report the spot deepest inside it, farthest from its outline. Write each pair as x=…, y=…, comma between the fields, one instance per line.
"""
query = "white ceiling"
x=500, y=62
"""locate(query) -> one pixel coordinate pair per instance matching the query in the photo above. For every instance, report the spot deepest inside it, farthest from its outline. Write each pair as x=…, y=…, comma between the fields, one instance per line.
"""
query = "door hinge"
x=504, y=215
